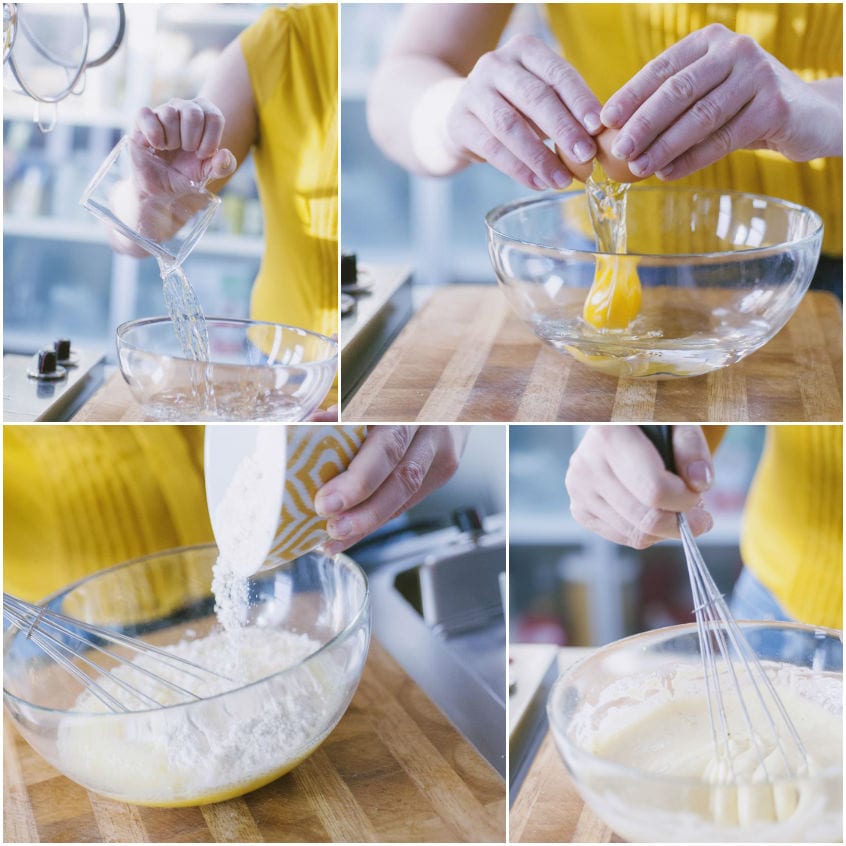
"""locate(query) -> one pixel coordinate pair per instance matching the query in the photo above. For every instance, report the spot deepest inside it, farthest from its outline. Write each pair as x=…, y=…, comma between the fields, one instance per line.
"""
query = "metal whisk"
x=729, y=659
x=90, y=654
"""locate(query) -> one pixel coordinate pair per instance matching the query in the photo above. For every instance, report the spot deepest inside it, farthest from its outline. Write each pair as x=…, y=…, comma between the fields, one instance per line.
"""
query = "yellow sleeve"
x=80, y=498
x=792, y=537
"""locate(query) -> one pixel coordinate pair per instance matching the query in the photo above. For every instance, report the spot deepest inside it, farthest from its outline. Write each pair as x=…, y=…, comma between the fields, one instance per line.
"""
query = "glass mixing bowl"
x=617, y=687
x=214, y=748
x=721, y=272
x=257, y=370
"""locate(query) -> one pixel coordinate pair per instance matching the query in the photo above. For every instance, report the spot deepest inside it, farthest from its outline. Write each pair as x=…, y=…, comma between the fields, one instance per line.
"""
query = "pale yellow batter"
x=659, y=725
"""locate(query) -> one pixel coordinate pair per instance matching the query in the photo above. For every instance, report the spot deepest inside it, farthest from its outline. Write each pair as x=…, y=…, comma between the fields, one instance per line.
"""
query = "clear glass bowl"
x=214, y=748
x=721, y=272
x=257, y=370
x=617, y=686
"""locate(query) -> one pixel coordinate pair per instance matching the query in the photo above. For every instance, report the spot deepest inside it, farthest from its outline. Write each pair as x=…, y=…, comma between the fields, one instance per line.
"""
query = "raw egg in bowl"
x=707, y=278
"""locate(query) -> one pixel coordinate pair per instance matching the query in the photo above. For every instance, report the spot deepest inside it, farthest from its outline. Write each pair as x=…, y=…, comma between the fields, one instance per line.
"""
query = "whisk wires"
x=76, y=646
x=725, y=649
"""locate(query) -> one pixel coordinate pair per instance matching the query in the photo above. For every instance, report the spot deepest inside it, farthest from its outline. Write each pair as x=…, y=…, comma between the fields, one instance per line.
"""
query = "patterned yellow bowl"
x=277, y=469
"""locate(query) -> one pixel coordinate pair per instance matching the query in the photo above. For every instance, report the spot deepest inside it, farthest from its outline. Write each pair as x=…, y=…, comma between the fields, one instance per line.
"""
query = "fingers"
x=192, y=125
x=621, y=105
x=219, y=166
x=693, y=457
x=514, y=99
x=409, y=471
x=619, y=488
x=383, y=449
x=485, y=147
x=327, y=415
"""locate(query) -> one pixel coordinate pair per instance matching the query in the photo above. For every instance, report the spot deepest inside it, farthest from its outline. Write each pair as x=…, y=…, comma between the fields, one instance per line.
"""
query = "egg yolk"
x=613, y=301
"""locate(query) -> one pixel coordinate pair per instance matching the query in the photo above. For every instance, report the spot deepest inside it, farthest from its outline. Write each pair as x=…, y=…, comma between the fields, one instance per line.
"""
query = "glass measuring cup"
x=146, y=199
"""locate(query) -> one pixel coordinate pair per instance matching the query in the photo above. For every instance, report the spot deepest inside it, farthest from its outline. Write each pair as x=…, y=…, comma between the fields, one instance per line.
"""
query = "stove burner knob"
x=349, y=268
x=62, y=346
x=65, y=353
x=46, y=367
x=47, y=361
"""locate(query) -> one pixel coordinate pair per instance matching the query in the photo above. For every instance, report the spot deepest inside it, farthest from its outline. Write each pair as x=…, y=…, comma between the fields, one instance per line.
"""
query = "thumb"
x=693, y=458
x=220, y=165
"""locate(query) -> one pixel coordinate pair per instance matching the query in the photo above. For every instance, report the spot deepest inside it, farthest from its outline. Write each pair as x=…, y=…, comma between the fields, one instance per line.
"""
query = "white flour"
x=196, y=753
x=244, y=523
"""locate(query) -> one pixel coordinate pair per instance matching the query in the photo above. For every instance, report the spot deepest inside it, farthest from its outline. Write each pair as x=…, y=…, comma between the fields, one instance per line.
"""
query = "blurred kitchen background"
x=437, y=582
x=60, y=278
x=571, y=587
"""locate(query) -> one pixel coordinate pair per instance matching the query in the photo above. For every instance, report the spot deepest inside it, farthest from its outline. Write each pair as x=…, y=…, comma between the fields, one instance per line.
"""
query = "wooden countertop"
x=466, y=356
x=112, y=403
x=548, y=808
x=394, y=769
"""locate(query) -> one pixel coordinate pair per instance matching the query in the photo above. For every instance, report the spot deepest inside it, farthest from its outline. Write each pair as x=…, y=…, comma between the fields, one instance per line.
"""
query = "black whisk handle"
x=662, y=440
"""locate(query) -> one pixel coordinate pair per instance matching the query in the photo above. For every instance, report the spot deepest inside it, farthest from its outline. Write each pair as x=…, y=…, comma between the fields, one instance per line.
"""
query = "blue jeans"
x=750, y=600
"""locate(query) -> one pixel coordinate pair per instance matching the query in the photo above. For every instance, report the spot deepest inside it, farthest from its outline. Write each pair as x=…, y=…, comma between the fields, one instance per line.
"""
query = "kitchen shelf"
x=19, y=108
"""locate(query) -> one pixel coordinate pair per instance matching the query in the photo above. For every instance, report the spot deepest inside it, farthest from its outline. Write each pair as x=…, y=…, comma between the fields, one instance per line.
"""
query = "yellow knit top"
x=792, y=537
x=292, y=59
x=80, y=498
x=608, y=42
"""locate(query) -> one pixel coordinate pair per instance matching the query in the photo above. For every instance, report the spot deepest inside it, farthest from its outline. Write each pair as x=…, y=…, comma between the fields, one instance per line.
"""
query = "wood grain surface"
x=394, y=769
x=111, y=403
x=548, y=809
x=466, y=356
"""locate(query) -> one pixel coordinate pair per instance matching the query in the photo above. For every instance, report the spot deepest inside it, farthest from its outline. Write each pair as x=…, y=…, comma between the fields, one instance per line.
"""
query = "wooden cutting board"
x=394, y=769
x=112, y=403
x=549, y=809
x=466, y=356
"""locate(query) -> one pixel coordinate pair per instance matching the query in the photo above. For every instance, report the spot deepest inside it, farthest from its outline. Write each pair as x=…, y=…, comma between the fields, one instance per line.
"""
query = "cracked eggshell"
x=616, y=169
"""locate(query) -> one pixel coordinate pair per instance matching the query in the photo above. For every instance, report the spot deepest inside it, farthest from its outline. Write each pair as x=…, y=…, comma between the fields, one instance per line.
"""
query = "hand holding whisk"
x=755, y=741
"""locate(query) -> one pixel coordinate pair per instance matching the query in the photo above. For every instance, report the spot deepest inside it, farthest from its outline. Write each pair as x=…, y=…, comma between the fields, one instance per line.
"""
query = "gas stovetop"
x=57, y=392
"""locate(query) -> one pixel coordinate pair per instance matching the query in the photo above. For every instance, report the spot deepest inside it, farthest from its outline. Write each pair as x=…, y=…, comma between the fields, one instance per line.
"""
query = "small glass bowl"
x=623, y=682
x=257, y=371
x=721, y=272
x=145, y=756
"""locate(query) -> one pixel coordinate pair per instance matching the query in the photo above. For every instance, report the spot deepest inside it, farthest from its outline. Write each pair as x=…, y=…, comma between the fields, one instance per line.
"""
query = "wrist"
x=430, y=140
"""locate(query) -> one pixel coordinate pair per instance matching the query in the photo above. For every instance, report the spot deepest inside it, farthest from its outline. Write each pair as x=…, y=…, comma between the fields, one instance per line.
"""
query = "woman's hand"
x=187, y=135
x=620, y=489
x=715, y=92
x=515, y=97
x=395, y=468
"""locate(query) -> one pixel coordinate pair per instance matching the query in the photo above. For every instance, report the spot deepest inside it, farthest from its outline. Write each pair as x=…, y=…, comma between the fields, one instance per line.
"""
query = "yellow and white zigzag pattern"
x=316, y=454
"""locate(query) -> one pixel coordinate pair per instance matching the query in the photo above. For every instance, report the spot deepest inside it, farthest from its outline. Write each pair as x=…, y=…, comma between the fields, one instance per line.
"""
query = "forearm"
x=411, y=97
x=413, y=90
x=230, y=89
x=831, y=93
